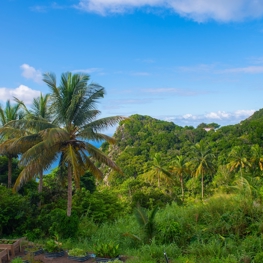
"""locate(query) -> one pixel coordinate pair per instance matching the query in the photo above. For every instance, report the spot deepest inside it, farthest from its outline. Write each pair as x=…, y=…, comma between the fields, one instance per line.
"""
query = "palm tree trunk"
x=69, y=191
x=202, y=186
x=40, y=183
x=9, y=178
x=40, y=186
x=182, y=186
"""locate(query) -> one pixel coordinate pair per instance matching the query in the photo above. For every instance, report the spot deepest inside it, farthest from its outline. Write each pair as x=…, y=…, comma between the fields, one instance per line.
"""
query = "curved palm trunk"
x=69, y=191
x=9, y=178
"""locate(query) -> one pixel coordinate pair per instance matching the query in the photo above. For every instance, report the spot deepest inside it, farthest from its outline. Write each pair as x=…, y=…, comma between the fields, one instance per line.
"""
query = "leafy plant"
x=7, y=241
x=52, y=246
x=62, y=224
x=107, y=250
x=17, y=260
x=77, y=252
x=146, y=223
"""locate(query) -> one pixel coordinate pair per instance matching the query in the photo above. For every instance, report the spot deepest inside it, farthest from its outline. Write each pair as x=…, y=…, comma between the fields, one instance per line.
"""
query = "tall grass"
x=222, y=229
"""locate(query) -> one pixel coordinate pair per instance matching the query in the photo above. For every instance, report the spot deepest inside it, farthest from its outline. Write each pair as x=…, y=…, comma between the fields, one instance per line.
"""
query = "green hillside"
x=140, y=138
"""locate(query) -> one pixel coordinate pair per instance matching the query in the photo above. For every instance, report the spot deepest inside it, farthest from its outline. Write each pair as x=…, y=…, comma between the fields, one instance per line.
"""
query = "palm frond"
x=141, y=215
x=103, y=123
x=101, y=157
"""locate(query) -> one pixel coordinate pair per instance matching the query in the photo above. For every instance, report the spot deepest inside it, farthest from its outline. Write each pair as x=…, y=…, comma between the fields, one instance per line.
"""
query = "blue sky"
x=187, y=61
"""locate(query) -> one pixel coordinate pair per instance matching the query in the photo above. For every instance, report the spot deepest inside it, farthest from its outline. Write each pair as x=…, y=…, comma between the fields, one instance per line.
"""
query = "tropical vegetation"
x=153, y=187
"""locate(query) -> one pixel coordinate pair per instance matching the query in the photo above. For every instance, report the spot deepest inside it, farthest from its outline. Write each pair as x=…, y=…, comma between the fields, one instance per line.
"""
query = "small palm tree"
x=39, y=112
x=202, y=162
x=238, y=159
x=256, y=158
x=180, y=167
x=158, y=172
x=146, y=222
x=8, y=114
x=75, y=124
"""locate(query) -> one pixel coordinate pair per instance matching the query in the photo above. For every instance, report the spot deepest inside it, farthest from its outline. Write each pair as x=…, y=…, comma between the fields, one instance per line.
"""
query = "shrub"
x=15, y=212
x=107, y=250
x=52, y=246
x=77, y=252
x=258, y=258
x=17, y=260
x=62, y=225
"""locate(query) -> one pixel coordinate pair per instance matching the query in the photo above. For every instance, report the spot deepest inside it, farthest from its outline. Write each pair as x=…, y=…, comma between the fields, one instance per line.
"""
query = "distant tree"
x=256, y=158
x=40, y=112
x=237, y=159
x=8, y=114
x=202, y=162
x=201, y=125
x=180, y=167
x=158, y=172
x=213, y=125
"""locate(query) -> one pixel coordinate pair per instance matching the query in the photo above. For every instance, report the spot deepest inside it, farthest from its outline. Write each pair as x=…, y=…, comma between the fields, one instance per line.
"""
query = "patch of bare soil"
x=42, y=259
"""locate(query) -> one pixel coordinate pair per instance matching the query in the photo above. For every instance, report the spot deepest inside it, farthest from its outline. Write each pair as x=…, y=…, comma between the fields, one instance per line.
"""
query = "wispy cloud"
x=248, y=70
x=198, y=10
x=132, y=73
x=117, y=104
x=220, y=117
x=256, y=60
x=31, y=73
x=22, y=92
x=88, y=70
x=197, y=68
x=140, y=73
x=218, y=69
x=45, y=8
x=181, y=92
x=39, y=8
x=146, y=60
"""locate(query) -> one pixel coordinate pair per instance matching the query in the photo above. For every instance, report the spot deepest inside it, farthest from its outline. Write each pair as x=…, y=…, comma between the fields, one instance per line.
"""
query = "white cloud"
x=31, y=73
x=217, y=115
x=198, y=10
x=220, y=117
x=23, y=93
x=243, y=113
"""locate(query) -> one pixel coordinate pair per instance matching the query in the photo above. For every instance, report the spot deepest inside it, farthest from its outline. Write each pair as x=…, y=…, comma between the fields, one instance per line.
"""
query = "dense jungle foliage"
x=194, y=193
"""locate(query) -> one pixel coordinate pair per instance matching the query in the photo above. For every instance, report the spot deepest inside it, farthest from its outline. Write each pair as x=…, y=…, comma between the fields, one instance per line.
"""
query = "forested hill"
x=139, y=138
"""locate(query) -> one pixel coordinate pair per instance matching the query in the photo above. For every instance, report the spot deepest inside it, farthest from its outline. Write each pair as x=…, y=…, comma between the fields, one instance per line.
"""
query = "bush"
x=107, y=250
x=62, y=225
x=155, y=252
x=15, y=211
x=100, y=206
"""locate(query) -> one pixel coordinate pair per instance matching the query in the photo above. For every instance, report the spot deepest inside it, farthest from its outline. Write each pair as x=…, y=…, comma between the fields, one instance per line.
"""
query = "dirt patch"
x=42, y=259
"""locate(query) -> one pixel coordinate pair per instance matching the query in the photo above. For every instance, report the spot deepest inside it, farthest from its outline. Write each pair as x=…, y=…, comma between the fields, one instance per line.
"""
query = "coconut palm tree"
x=75, y=124
x=201, y=162
x=158, y=172
x=8, y=114
x=238, y=159
x=40, y=111
x=180, y=167
x=256, y=159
